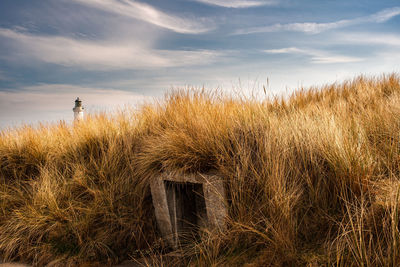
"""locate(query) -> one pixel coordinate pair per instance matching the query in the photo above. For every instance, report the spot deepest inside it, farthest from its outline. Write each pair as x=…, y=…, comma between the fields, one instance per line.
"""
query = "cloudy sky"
x=117, y=52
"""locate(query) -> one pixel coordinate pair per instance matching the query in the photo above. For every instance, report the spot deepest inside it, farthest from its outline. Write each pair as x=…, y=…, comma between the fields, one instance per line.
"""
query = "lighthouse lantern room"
x=78, y=110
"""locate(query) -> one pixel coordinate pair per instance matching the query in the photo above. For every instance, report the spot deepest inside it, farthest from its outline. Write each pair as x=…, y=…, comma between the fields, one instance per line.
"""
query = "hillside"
x=311, y=179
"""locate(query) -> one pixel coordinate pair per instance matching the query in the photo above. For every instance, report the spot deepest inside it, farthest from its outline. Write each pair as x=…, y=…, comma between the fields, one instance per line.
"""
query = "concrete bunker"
x=185, y=203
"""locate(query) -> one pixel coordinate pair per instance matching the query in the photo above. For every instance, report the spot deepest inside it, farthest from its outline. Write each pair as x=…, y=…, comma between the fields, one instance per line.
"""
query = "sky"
x=113, y=53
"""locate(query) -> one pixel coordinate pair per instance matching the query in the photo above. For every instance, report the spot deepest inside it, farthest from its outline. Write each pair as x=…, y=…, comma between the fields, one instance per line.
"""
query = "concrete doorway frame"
x=214, y=198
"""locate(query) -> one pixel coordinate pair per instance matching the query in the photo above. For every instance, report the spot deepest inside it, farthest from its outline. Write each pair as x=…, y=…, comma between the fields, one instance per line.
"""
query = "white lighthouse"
x=78, y=110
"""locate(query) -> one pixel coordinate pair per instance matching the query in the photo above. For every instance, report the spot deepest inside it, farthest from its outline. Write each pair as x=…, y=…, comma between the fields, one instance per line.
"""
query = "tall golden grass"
x=312, y=179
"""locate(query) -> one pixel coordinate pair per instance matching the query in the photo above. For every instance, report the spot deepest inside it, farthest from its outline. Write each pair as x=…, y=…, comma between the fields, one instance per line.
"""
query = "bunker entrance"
x=187, y=209
x=185, y=203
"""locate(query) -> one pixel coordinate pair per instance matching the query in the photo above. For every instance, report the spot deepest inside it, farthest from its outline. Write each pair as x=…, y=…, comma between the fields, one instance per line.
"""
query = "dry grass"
x=313, y=179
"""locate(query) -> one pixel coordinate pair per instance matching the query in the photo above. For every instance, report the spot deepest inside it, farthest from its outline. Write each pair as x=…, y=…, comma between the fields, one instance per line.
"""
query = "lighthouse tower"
x=78, y=110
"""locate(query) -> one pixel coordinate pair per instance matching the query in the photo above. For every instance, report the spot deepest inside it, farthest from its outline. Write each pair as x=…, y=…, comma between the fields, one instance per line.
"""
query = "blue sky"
x=117, y=52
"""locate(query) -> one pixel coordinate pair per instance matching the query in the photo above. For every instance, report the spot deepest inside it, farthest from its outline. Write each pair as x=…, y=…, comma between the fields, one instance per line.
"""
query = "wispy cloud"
x=314, y=27
x=383, y=48
x=368, y=38
x=53, y=102
x=384, y=15
x=148, y=14
x=64, y=94
x=317, y=56
x=98, y=55
x=238, y=3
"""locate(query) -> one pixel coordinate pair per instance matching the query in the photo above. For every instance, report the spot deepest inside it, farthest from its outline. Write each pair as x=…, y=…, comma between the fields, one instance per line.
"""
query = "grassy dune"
x=311, y=179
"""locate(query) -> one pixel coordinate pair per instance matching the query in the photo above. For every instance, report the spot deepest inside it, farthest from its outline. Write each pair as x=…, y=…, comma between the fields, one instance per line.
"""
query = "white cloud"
x=94, y=55
x=368, y=38
x=148, y=14
x=384, y=48
x=317, y=56
x=385, y=15
x=54, y=96
x=314, y=27
x=237, y=3
x=53, y=102
x=306, y=27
